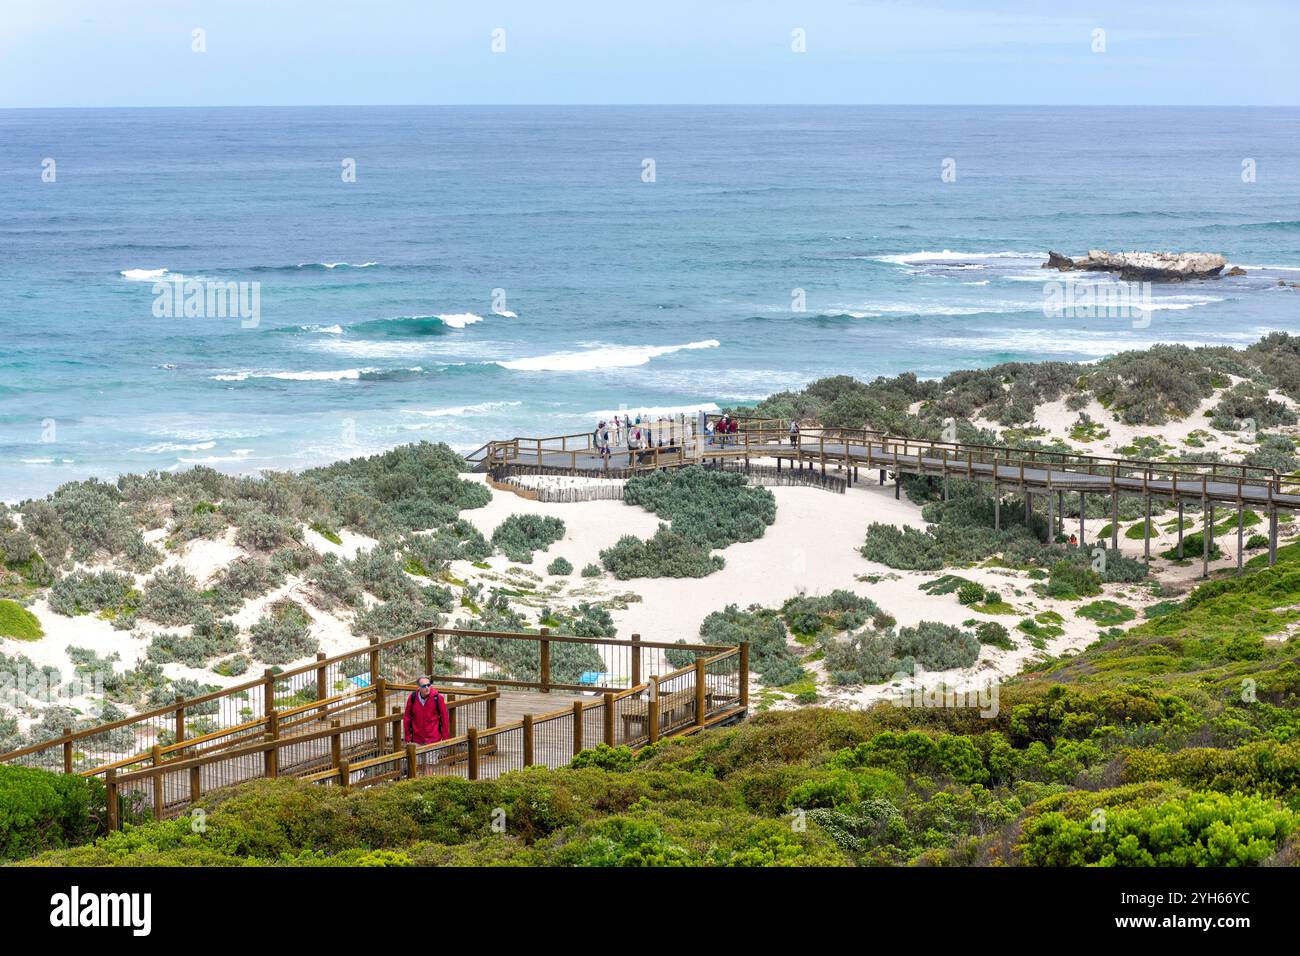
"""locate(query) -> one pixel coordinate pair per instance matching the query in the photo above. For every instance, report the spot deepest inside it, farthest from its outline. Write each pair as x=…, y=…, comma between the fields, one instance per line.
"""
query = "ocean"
x=519, y=271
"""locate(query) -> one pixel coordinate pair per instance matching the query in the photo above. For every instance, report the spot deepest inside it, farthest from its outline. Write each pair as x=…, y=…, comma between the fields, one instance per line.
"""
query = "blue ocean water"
x=614, y=291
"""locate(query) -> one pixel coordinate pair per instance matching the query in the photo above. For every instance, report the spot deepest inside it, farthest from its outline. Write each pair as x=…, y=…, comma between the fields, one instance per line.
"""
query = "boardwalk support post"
x=609, y=719
x=577, y=727
x=411, y=760
x=544, y=667
x=1180, y=530
x=700, y=701
x=1208, y=516
x=744, y=674
x=1272, y=536
x=1083, y=513
x=528, y=740
x=471, y=752
x=1241, y=525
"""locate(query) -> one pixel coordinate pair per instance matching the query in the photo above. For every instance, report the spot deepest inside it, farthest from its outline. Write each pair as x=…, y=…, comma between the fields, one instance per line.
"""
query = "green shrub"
x=18, y=622
x=520, y=535
x=210, y=637
x=769, y=655
x=591, y=571
x=283, y=635
x=970, y=593
x=559, y=567
x=666, y=555
x=713, y=508
x=1107, y=613
x=40, y=810
x=171, y=597
x=84, y=592
x=841, y=610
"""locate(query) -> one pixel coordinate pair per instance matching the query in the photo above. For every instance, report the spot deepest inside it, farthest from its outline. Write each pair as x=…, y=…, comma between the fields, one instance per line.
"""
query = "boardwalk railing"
x=295, y=714
x=687, y=699
x=370, y=751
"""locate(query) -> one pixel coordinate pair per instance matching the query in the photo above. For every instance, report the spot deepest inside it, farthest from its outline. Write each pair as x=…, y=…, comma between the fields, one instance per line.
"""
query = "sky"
x=118, y=53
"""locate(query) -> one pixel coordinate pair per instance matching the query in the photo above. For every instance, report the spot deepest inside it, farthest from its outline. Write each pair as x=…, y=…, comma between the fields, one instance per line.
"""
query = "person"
x=723, y=428
x=794, y=434
x=708, y=431
x=1074, y=540
x=633, y=445
x=425, y=720
x=604, y=447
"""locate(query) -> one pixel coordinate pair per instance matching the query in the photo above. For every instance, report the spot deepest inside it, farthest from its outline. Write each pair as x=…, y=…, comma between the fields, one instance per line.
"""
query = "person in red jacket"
x=425, y=719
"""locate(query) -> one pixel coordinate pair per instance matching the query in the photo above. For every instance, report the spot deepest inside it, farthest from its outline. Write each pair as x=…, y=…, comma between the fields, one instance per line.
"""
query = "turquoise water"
x=669, y=294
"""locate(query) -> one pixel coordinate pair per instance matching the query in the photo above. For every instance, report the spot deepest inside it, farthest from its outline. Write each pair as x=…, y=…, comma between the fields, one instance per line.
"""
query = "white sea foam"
x=947, y=255
x=505, y=313
x=609, y=356
x=461, y=409
x=458, y=320
x=893, y=309
x=147, y=275
x=326, y=329
x=338, y=375
x=168, y=446
x=38, y=461
x=335, y=265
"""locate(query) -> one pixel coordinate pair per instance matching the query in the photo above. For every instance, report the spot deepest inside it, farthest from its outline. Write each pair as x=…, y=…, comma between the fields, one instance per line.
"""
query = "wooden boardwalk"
x=1029, y=471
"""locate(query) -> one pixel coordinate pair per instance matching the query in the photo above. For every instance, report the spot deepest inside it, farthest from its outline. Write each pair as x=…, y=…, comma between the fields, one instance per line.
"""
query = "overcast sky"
x=284, y=52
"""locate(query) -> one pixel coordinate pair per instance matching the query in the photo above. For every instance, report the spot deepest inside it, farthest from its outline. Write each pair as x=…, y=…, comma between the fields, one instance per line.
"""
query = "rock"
x=1143, y=266
x=1235, y=271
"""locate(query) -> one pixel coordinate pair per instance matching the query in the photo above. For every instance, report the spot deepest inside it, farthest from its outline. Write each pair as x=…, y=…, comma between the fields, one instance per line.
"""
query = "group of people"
x=716, y=433
x=620, y=430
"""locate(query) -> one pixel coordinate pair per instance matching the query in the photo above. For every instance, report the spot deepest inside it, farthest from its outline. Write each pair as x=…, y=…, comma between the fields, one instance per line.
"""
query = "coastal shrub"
x=1193, y=547
x=874, y=656
x=40, y=810
x=1256, y=541
x=260, y=531
x=970, y=593
x=559, y=567
x=840, y=610
x=1106, y=613
x=242, y=579
x=520, y=535
x=1274, y=451
x=521, y=659
x=461, y=541
x=380, y=573
x=1071, y=580
x=84, y=592
x=282, y=635
x=993, y=634
x=210, y=637
x=1200, y=829
x=666, y=555
x=591, y=571
x=397, y=617
x=18, y=622
x=769, y=654
x=332, y=584
x=1152, y=386
x=713, y=508
x=1249, y=401
x=410, y=488
x=171, y=597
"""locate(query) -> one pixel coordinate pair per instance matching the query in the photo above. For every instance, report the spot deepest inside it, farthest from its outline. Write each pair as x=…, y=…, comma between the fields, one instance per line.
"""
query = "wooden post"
x=1241, y=525
x=528, y=740
x=609, y=718
x=67, y=750
x=271, y=758
x=1083, y=513
x=1205, y=540
x=412, y=760
x=428, y=654
x=700, y=688
x=336, y=743
x=744, y=674
x=322, y=676
x=652, y=710
x=397, y=729
x=110, y=798
x=1060, y=514
x=545, y=666
x=1029, y=503
x=1180, y=527
x=180, y=718
x=196, y=785
x=345, y=774
x=1114, y=520
x=636, y=660
x=374, y=660
x=997, y=507
x=157, y=780
x=381, y=732
x=577, y=727
x=1272, y=536
x=1051, y=516
x=1146, y=534
x=471, y=745
x=268, y=692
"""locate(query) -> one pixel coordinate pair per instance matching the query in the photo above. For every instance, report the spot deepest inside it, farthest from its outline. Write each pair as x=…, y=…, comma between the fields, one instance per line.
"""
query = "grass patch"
x=18, y=622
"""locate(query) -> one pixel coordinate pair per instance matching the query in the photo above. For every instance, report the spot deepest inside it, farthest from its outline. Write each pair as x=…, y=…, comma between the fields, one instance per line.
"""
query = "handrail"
x=374, y=650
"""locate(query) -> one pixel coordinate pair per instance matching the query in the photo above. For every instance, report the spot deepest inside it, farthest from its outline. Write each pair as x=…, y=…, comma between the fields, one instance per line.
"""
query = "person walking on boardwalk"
x=794, y=434
x=723, y=427
x=425, y=720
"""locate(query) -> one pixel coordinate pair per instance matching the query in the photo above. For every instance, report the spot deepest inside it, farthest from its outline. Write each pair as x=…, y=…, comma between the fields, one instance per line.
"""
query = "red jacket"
x=425, y=722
